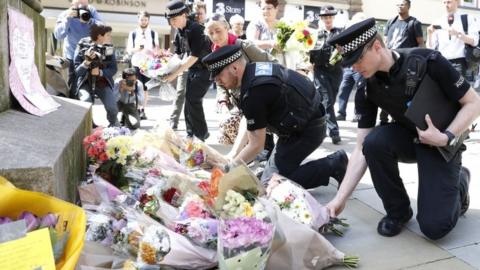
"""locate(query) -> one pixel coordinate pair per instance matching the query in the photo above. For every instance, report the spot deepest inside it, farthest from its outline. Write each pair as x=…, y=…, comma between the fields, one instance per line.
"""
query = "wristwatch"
x=451, y=138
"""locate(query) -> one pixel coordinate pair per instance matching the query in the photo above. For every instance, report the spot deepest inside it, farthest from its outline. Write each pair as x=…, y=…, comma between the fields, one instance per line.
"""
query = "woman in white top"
x=262, y=32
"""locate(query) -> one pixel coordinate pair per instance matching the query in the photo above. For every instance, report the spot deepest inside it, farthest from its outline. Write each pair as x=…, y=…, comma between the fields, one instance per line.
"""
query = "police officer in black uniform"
x=327, y=77
x=393, y=78
x=288, y=104
x=196, y=45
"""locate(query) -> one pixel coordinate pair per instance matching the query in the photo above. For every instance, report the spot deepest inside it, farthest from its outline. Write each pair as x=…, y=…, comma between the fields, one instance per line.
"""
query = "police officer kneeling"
x=443, y=186
x=285, y=102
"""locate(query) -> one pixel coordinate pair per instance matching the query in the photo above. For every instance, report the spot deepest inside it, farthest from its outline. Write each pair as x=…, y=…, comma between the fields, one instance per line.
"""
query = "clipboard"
x=430, y=99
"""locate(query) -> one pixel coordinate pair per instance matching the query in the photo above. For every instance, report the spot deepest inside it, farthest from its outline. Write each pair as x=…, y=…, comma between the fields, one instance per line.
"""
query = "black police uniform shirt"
x=393, y=99
x=324, y=50
x=191, y=40
x=258, y=107
x=403, y=33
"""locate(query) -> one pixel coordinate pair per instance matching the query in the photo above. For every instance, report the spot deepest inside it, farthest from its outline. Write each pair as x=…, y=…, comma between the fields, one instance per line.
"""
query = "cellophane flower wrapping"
x=245, y=233
x=155, y=66
x=296, y=202
x=130, y=233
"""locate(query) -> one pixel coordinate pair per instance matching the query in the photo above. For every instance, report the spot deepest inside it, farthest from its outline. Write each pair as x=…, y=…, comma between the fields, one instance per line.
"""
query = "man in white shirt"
x=143, y=39
x=447, y=35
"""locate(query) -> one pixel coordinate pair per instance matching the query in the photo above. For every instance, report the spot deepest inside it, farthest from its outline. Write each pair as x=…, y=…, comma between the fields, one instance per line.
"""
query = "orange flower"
x=309, y=42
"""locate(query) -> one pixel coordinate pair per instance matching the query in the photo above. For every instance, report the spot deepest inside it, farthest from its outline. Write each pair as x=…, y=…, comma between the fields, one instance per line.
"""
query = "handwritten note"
x=32, y=252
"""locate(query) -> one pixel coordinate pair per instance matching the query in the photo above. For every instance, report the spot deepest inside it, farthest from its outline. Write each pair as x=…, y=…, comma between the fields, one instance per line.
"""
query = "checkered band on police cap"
x=224, y=62
x=175, y=8
x=359, y=41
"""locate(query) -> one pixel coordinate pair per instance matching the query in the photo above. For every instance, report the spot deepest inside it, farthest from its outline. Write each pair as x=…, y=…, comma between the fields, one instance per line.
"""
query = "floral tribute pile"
x=155, y=199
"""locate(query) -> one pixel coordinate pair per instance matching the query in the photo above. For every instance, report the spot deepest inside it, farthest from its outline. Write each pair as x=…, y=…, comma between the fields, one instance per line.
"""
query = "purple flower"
x=244, y=232
x=5, y=220
x=49, y=220
x=117, y=225
x=30, y=219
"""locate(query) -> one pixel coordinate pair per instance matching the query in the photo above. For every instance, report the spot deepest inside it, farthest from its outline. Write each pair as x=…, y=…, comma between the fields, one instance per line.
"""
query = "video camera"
x=83, y=13
x=101, y=51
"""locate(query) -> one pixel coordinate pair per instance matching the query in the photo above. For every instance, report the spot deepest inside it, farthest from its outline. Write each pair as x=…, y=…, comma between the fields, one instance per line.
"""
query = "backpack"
x=409, y=26
x=134, y=35
x=472, y=54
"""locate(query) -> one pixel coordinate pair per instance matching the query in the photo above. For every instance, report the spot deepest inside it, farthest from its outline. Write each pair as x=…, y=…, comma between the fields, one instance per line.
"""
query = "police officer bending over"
x=443, y=186
x=190, y=35
x=285, y=102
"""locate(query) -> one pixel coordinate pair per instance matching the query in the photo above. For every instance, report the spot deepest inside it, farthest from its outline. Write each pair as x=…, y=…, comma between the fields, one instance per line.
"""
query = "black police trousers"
x=327, y=81
x=289, y=153
x=438, y=181
x=198, y=82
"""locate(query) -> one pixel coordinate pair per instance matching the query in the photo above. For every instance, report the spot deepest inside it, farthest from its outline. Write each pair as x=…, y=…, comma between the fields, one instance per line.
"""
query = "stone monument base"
x=45, y=154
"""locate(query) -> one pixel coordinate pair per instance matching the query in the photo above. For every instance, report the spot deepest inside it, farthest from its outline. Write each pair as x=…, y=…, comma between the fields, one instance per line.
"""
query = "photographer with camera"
x=95, y=66
x=129, y=92
x=143, y=40
x=72, y=25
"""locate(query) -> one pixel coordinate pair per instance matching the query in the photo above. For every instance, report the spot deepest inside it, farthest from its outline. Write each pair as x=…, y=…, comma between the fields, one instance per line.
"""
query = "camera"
x=83, y=13
x=101, y=51
x=130, y=83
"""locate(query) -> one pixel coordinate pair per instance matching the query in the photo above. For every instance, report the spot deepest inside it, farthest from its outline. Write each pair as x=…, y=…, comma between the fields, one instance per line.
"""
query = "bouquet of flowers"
x=284, y=32
x=245, y=233
x=129, y=233
x=193, y=155
x=155, y=66
x=110, y=149
x=303, y=35
x=299, y=205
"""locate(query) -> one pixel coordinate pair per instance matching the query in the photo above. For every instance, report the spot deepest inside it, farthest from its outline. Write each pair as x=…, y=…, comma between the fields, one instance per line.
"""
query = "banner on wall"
x=228, y=8
x=23, y=76
x=311, y=14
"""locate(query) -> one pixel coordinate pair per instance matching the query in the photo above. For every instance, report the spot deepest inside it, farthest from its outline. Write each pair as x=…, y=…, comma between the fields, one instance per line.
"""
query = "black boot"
x=464, y=195
x=338, y=164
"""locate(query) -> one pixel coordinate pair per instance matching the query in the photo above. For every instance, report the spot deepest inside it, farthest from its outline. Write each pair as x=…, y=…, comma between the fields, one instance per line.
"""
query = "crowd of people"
x=281, y=114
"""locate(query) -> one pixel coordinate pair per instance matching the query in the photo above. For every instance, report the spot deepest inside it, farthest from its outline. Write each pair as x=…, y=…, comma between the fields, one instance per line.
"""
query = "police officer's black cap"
x=328, y=11
x=175, y=8
x=353, y=39
x=219, y=59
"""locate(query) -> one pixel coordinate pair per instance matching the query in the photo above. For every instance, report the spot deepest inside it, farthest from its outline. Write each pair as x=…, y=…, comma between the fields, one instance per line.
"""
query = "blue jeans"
x=108, y=98
x=349, y=80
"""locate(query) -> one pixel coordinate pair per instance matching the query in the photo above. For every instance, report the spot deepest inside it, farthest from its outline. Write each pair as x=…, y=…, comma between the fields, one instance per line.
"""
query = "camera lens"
x=85, y=15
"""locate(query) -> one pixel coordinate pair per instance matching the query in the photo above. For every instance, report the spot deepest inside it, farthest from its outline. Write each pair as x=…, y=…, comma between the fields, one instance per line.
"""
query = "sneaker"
x=340, y=117
x=336, y=139
x=464, y=196
x=142, y=114
x=338, y=162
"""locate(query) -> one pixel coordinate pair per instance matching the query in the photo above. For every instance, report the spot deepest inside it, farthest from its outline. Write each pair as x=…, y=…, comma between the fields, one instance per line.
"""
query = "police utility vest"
x=298, y=100
x=395, y=95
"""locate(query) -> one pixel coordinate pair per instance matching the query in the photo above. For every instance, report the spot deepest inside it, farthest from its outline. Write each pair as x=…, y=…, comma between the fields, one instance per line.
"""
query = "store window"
x=470, y=3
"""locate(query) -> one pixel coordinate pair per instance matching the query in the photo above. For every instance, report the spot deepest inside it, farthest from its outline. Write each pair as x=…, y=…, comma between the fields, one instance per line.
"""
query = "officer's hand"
x=335, y=207
x=95, y=71
x=430, y=29
x=432, y=136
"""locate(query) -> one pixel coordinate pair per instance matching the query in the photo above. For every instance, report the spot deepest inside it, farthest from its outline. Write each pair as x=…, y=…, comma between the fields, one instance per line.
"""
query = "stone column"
x=40, y=153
